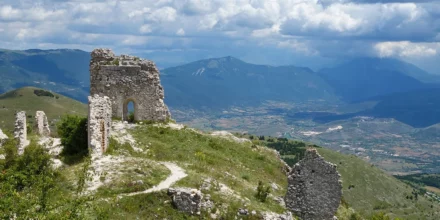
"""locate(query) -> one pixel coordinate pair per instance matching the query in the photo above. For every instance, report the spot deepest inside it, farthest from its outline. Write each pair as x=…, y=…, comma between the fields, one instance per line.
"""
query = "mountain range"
x=222, y=82
x=219, y=83
x=63, y=71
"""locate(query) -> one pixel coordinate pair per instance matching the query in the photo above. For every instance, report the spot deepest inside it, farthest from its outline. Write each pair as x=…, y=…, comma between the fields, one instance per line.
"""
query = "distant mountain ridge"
x=64, y=71
x=366, y=78
x=222, y=82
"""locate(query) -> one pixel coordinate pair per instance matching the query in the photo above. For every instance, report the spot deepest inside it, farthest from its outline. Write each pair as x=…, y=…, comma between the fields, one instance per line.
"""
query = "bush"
x=73, y=133
x=28, y=129
x=116, y=62
x=26, y=182
x=380, y=216
x=40, y=92
x=10, y=148
x=262, y=192
x=131, y=117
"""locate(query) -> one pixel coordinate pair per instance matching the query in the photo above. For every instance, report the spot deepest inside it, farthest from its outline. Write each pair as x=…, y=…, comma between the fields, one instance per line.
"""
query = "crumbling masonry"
x=41, y=124
x=314, y=189
x=20, y=131
x=127, y=79
x=99, y=124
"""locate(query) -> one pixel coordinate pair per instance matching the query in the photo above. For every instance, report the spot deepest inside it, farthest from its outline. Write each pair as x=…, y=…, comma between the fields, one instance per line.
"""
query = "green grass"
x=236, y=165
x=132, y=170
x=239, y=166
x=376, y=191
x=24, y=99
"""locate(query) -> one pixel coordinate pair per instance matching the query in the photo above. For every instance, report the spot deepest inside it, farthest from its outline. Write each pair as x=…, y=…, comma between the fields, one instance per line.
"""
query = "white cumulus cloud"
x=406, y=49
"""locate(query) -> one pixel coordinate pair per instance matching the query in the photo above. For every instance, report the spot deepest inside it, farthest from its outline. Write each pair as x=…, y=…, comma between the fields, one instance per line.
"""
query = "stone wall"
x=41, y=124
x=314, y=189
x=127, y=79
x=99, y=124
x=3, y=138
x=20, y=132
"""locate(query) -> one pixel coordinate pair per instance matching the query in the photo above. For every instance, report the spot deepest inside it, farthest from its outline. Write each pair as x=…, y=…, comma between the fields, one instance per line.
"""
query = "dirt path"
x=177, y=173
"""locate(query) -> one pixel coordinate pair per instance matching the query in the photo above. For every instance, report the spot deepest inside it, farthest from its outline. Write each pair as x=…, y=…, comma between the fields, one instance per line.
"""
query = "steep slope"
x=222, y=82
x=64, y=71
x=25, y=99
x=142, y=157
x=365, y=78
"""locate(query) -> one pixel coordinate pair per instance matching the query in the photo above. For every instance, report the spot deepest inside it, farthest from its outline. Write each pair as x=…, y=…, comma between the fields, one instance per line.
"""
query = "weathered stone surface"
x=20, y=132
x=41, y=124
x=187, y=200
x=3, y=138
x=99, y=124
x=242, y=211
x=314, y=189
x=275, y=216
x=127, y=79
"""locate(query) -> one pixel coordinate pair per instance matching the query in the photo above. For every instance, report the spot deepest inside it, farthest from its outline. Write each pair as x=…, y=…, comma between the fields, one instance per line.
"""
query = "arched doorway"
x=130, y=114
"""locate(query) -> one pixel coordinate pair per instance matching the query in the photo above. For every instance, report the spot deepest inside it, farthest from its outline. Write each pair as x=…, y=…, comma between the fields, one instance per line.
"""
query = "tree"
x=73, y=133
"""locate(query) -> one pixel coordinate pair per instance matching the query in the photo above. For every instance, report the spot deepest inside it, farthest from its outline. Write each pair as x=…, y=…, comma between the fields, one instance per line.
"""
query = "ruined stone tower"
x=314, y=188
x=127, y=79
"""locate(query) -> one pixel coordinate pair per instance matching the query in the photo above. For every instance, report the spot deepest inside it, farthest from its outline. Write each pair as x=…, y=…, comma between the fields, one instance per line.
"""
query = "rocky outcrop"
x=3, y=138
x=275, y=216
x=20, y=131
x=41, y=124
x=127, y=79
x=314, y=188
x=99, y=124
x=187, y=200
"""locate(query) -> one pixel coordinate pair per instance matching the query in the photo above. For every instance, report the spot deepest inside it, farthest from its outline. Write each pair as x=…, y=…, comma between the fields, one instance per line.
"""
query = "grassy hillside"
x=25, y=99
x=368, y=189
x=64, y=71
x=236, y=168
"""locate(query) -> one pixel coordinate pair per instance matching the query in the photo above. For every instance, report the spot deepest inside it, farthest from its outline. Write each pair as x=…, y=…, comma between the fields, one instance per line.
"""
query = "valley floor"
x=393, y=146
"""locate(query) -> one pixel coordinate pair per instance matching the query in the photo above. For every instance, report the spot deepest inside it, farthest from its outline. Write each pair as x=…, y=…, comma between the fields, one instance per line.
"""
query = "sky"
x=313, y=33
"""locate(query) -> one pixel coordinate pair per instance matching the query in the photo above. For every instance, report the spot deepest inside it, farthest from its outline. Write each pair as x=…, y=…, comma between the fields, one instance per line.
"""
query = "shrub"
x=380, y=216
x=73, y=133
x=116, y=62
x=28, y=129
x=26, y=182
x=262, y=191
x=131, y=117
x=40, y=92
x=10, y=148
x=355, y=216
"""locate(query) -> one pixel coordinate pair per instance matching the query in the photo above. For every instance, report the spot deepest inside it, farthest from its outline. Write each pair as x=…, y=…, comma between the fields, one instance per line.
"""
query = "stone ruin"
x=126, y=79
x=41, y=124
x=3, y=138
x=314, y=188
x=99, y=124
x=20, y=132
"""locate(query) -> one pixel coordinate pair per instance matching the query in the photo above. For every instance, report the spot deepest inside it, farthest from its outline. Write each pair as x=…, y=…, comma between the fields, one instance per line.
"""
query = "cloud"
x=180, y=32
x=406, y=49
x=312, y=28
